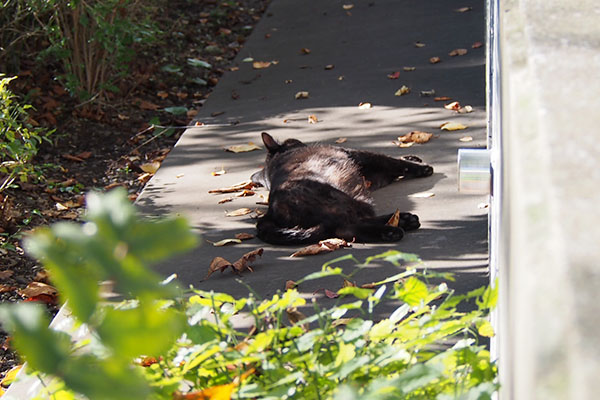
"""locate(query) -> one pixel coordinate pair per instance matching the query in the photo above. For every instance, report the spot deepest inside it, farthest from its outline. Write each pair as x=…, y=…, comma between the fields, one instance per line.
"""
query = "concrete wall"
x=549, y=339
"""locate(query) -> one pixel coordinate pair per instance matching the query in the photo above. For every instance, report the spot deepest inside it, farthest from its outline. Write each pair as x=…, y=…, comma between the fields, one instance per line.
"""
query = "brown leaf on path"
x=162, y=94
x=225, y=242
x=341, y=140
x=435, y=60
x=347, y=283
x=261, y=64
x=238, y=187
x=295, y=316
x=457, y=52
x=245, y=193
x=226, y=200
x=290, y=285
x=402, y=91
x=84, y=155
x=217, y=264
x=419, y=44
x=239, y=212
x=324, y=246
x=455, y=105
x=394, y=219
x=415, y=137
x=301, y=95
x=244, y=262
x=242, y=148
x=329, y=67
x=331, y=295
x=38, y=288
x=409, y=69
x=453, y=126
x=348, y=7
x=219, y=172
x=476, y=45
x=304, y=51
x=244, y=236
x=442, y=98
x=312, y=119
x=151, y=167
x=463, y=9
x=394, y=75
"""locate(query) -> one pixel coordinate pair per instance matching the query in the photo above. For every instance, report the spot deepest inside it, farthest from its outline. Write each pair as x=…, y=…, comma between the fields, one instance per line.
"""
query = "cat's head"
x=273, y=148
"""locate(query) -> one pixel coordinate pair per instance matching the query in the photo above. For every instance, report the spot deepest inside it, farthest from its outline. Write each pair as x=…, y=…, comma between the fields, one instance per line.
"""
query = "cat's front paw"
x=409, y=221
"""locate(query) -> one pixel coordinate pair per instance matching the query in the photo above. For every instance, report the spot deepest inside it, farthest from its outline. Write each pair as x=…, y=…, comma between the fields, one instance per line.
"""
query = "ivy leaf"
x=176, y=110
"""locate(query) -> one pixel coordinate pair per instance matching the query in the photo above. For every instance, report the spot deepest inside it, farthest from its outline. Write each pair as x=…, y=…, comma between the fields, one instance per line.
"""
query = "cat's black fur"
x=318, y=191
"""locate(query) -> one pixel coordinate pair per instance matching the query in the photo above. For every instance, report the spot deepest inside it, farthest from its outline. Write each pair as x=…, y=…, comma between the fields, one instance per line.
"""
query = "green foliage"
x=155, y=343
x=93, y=40
x=19, y=139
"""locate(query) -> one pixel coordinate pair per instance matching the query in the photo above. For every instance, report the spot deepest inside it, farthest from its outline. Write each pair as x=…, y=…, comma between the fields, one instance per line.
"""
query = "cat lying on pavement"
x=319, y=191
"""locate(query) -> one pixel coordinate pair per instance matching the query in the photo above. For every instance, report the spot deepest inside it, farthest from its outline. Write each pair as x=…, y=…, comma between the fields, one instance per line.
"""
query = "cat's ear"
x=270, y=143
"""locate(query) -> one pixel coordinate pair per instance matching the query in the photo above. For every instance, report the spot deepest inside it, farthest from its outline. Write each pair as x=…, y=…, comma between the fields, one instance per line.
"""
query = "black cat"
x=318, y=191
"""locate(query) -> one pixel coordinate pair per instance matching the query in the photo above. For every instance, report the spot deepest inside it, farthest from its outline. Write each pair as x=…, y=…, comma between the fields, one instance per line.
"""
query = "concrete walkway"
x=362, y=45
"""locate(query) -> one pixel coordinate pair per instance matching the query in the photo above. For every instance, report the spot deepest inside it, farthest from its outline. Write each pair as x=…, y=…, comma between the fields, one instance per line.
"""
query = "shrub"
x=19, y=139
x=155, y=343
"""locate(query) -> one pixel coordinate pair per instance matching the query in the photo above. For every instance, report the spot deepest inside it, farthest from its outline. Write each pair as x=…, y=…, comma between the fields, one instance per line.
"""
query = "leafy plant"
x=155, y=343
x=19, y=139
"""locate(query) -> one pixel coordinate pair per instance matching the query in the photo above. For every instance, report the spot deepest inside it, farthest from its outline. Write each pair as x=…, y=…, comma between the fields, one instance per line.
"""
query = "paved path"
x=364, y=44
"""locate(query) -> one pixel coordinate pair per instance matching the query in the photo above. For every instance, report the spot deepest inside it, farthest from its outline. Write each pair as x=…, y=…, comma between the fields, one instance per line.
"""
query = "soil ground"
x=110, y=142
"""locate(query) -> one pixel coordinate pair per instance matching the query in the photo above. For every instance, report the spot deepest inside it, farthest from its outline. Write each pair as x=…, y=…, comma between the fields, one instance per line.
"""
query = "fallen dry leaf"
x=476, y=45
x=329, y=67
x=290, y=285
x=347, y=283
x=348, y=7
x=453, y=126
x=301, y=95
x=403, y=145
x=394, y=75
x=416, y=137
x=244, y=236
x=225, y=242
x=162, y=94
x=245, y=193
x=331, y=295
x=295, y=316
x=226, y=200
x=37, y=289
x=402, y=91
x=150, y=168
x=455, y=105
x=312, y=119
x=427, y=93
x=324, y=246
x=242, y=148
x=365, y=106
x=146, y=105
x=435, y=60
x=393, y=221
x=341, y=140
x=466, y=139
x=304, y=51
x=239, y=212
x=261, y=64
x=409, y=69
x=422, y=195
x=84, y=155
x=457, y=52
x=238, y=187
x=463, y=9
x=221, y=264
x=72, y=158
x=419, y=44
x=465, y=110
x=219, y=172
x=442, y=98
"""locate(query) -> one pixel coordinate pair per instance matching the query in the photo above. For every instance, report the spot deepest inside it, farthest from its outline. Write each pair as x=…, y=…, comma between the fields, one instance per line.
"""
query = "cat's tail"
x=270, y=232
